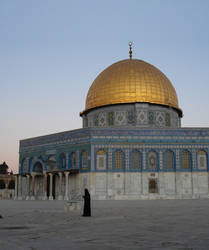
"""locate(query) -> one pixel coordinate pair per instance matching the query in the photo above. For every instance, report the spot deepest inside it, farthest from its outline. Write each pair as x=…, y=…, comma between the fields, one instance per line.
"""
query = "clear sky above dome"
x=51, y=51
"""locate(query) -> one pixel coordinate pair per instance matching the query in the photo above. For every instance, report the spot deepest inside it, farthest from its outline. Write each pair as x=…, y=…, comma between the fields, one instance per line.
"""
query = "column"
x=51, y=185
x=66, y=185
x=16, y=188
x=60, y=197
x=45, y=187
x=20, y=187
x=28, y=187
x=33, y=187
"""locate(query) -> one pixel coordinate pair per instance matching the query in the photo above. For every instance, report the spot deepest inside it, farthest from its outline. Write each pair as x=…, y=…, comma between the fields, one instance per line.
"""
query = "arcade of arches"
x=44, y=185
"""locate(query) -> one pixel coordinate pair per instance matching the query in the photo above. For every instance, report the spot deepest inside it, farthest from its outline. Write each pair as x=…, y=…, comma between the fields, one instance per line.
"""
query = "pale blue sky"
x=52, y=50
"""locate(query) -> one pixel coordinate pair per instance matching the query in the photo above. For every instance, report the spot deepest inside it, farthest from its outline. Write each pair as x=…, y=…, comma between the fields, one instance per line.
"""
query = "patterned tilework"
x=134, y=115
x=144, y=159
x=177, y=140
x=102, y=119
x=127, y=159
x=83, y=135
x=161, y=159
x=141, y=117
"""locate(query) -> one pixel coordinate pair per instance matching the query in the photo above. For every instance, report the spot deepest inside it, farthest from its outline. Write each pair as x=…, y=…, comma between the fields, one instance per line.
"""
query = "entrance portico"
x=44, y=185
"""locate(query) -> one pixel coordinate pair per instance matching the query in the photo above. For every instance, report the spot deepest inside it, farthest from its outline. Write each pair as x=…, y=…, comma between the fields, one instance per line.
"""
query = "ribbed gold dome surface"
x=131, y=81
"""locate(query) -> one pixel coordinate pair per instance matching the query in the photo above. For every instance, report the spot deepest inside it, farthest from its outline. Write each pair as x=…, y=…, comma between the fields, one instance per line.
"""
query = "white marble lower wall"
x=118, y=186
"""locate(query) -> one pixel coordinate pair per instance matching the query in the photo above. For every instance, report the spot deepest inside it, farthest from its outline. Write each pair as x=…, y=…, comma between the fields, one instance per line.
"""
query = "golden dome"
x=131, y=81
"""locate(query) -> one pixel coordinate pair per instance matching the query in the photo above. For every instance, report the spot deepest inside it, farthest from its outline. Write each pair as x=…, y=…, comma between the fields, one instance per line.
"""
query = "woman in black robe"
x=87, y=203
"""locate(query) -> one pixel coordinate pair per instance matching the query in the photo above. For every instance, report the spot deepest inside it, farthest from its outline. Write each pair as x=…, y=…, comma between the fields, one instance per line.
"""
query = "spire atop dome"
x=130, y=49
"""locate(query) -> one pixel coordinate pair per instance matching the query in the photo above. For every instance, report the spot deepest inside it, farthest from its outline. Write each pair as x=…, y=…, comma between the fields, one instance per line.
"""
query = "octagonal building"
x=131, y=145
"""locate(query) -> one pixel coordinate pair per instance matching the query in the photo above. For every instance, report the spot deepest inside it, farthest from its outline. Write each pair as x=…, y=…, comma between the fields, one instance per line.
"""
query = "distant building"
x=7, y=182
x=131, y=145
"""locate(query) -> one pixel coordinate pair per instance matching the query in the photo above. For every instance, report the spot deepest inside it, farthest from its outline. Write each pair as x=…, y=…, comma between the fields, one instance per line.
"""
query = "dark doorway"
x=53, y=186
x=153, y=186
x=11, y=184
x=48, y=186
x=2, y=184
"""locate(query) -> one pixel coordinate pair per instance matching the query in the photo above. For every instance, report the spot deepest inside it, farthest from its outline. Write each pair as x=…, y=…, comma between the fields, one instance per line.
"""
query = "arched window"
x=2, y=184
x=62, y=161
x=72, y=160
x=135, y=160
x=152, y=160
x=186, y=160
x=119, y=160
x=202, y=159
x=11, y=184
x=84, y=159
x=169, y=160
x=101, y=158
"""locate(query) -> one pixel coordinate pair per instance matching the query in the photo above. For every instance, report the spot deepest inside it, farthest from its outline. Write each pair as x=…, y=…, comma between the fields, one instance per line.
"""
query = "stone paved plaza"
x=159, y=224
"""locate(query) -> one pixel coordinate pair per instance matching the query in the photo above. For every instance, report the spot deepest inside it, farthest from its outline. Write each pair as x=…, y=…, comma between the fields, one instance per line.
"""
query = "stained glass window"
x=152, y=160
x=73, y=160
x=202, y=159
x=119, y=158
x=169, y=160
x=101, y=159
x=186, y=160
x=135, y=159
x=84, y=159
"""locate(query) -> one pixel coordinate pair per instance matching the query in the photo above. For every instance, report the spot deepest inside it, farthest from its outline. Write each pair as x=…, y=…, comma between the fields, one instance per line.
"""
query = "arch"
x=11, y=184
x=153, y=160
x=186, y=160
x=38, y=167
x=2, y=184
x=119, y=160
x=72, y=160
x=169, y=160
x=136, y=163
x=35, y=161
x=101, y=159
x=62, y=161
x=202, y=159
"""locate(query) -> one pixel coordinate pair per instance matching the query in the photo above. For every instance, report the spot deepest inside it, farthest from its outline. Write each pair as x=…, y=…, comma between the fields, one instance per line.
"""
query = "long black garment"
x=87, y=203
